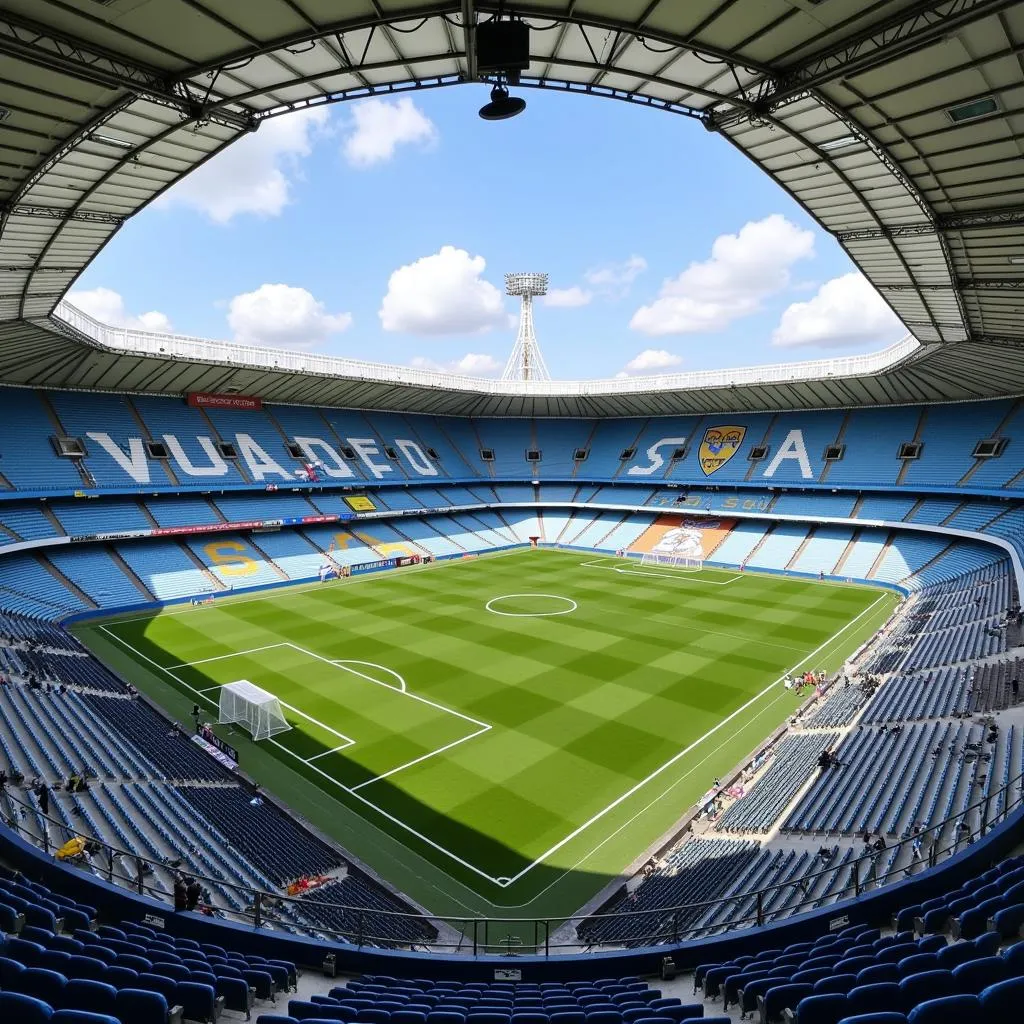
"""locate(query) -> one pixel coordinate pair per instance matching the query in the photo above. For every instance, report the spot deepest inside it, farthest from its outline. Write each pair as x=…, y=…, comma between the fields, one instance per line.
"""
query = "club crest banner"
x=718, y=446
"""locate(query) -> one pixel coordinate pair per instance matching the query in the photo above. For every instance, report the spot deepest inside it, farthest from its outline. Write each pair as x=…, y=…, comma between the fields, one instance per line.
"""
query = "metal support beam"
x=910, y=29
x=468, y=13
x=964, y=284
x=56, y=52
x=1007, y=216
x=53, y=213
x=14, y=268
x=1001, y=340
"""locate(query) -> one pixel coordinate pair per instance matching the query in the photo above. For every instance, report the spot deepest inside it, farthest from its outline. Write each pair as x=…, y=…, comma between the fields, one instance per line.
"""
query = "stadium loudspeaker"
x=504, y=47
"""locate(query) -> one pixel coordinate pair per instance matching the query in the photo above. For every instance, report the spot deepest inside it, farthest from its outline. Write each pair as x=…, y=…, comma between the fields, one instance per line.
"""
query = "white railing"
x=202, y=350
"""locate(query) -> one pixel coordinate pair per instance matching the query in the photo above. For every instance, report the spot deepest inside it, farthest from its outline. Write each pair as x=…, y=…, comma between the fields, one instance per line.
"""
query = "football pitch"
x=501, y=735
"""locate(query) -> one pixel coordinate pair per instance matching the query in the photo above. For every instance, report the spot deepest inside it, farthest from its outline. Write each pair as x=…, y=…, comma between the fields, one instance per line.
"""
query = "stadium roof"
x=896, y=124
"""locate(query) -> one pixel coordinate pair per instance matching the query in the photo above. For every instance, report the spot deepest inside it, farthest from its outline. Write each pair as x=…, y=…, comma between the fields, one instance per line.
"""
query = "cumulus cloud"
x=472, y=364
x=568, y=298
x=845, y=312
x=378, y=127
x=442, y=294
x=281, y=316
x=651, y=360
x=256, y=173
x=107, y=306
x=744, y=269
x=615, y=279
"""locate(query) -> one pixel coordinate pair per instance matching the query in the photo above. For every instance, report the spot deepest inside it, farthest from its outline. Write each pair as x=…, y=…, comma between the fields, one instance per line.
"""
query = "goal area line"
x=633, y=567
x=503, y=882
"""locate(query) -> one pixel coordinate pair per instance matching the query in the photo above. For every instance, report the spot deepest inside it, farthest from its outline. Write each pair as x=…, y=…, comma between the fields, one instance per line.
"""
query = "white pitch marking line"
x=643, y=810
x=531, y=615
x=309, y=718
x=504, y=882
x=333, y=750
x=424, y=757
x=377, y=682
x=345, y=662
x=302, y=587
x=686, y=578
x=315, y=768
x=223, y=657
x=682, y=753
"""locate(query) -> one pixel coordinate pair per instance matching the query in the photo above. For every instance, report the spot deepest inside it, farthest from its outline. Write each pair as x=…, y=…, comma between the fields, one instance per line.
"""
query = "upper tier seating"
x=354, y=446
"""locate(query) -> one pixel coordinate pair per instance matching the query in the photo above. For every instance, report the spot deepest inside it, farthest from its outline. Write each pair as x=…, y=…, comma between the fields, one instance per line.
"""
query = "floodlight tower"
x=526, y=362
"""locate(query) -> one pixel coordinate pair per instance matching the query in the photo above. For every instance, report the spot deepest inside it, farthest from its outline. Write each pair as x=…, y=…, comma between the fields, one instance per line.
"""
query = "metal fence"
x=365, y=927
x=180, y=346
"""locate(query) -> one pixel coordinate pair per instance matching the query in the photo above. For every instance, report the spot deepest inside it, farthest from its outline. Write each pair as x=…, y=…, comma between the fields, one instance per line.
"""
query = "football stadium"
x=342, y=690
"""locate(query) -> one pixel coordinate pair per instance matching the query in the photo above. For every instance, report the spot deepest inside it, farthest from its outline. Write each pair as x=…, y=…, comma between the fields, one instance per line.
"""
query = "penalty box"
x=353, y=721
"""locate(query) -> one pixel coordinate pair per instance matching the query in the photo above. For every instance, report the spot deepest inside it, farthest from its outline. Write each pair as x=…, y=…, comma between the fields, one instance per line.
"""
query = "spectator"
x=193, y=890
x=180, y=893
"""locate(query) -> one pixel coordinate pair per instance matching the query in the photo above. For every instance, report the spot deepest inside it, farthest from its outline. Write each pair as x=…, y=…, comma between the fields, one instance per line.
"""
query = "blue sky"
x=382, y=230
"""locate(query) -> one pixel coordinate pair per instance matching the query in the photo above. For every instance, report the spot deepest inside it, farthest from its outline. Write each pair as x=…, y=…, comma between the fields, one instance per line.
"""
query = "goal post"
x=667, y=560
x=244, y=703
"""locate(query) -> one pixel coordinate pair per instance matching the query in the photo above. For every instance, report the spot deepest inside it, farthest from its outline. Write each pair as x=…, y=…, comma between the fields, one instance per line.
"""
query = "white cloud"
x=651, y=360
x=845, y=312
x=281, y=316
x=744, y=269
x=254, y=174
x=107, y=306
x=615, y=278
x=442, y=294
x=472, y=364
x=379, y=127
x=568, y=298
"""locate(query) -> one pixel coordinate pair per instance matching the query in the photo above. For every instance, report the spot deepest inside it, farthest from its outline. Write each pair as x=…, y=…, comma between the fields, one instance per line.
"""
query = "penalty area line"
x=424, y=757
x=325, y=775
x=222, y=657
x=333, y=750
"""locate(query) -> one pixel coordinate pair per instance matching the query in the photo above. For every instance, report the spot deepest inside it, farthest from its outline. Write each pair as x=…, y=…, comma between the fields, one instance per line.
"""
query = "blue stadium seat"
x=884, y=996
x=827, y=1008
x=94, y=996
x=881, y=1017
x=82, y=1017
x=24, y=1009
x=947, y=1010
x=136, y=1006
x=43, y=984
x=976, y=975
x=199, y=1002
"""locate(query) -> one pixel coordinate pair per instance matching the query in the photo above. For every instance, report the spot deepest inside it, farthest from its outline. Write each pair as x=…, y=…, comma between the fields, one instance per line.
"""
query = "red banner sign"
x=202, y=399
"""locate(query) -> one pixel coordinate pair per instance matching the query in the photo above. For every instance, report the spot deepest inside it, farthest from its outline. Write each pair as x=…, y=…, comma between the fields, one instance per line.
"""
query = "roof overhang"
x=78, y=352
x=896, y=123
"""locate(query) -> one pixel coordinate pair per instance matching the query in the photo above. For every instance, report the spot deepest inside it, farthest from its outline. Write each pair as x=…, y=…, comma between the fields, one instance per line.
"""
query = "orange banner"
x=687, y=536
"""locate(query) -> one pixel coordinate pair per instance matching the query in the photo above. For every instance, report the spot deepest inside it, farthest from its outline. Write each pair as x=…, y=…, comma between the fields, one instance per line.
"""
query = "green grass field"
x=501, y=735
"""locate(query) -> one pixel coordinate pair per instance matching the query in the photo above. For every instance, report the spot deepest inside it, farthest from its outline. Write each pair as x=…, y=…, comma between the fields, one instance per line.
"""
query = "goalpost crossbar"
x=685, y=563
x=243, y=703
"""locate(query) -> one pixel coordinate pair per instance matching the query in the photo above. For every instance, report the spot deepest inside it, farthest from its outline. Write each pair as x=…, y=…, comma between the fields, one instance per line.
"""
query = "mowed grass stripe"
x=582, y=706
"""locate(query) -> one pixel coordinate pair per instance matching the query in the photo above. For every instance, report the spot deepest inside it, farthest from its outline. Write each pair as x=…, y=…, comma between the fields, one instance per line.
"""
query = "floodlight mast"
x=526, y=361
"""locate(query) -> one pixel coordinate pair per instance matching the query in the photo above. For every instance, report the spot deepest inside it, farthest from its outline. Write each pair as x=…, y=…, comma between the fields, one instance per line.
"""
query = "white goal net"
x=684, y=562
x=244, y=703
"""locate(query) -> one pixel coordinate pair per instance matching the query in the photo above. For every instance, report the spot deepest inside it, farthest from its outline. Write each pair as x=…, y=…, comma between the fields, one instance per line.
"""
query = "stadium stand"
x=115, y=456
x=945, y=661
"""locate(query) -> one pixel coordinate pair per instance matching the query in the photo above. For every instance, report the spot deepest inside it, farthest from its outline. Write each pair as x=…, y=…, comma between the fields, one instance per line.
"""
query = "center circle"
x=543, y=606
